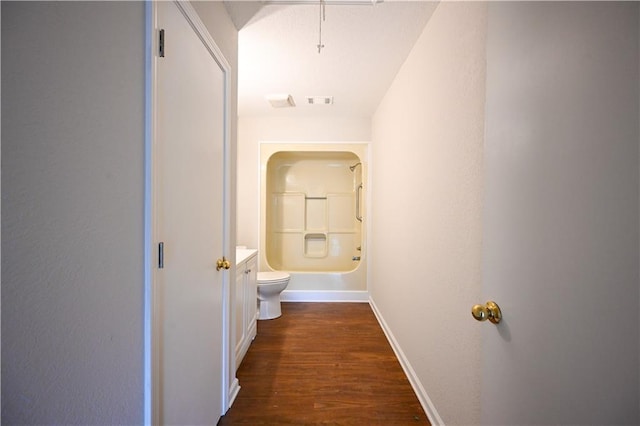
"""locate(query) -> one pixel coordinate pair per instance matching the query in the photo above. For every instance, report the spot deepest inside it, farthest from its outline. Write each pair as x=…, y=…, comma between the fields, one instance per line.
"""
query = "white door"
x=189, y=185
x=561, y=214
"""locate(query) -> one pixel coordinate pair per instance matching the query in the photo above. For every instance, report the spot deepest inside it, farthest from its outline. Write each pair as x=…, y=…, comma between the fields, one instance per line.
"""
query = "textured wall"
x=426, y=189
x=72, y=212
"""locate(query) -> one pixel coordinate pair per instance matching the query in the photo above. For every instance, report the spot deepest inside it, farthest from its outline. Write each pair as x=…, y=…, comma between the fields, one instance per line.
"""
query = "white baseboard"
x=324, y=296
x=424, y=399
x=233, y=392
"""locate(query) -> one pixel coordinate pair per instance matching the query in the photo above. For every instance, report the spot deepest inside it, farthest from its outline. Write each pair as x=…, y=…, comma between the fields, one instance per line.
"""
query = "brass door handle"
x=222, y=264
x=490, y=311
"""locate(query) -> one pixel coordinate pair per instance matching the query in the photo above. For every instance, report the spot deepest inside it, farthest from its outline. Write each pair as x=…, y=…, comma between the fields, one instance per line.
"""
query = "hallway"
x=323, y=363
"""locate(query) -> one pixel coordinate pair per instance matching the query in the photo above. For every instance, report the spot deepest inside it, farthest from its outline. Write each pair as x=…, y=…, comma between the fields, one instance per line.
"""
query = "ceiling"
x=365, y=45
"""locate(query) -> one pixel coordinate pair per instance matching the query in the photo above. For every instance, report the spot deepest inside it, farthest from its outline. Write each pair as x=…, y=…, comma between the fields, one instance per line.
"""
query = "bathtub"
x=313, y=219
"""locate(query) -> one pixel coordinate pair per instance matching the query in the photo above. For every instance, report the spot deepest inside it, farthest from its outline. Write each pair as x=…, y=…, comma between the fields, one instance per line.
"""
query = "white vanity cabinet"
x=245, y=301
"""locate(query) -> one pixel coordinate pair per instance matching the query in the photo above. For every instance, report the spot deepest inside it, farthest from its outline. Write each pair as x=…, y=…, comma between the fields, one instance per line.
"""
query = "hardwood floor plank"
x=323, y=363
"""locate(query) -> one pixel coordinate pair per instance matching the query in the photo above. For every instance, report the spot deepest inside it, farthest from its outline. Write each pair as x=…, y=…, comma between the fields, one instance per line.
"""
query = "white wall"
x=72, y=212
x=219, y=24
x=426, y=189
x=561, y=225
x=253, y=130
x=72, y=207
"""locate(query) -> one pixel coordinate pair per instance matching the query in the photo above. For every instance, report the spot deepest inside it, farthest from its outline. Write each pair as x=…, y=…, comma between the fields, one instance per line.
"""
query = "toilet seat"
x=272, y=277
x=266, y=284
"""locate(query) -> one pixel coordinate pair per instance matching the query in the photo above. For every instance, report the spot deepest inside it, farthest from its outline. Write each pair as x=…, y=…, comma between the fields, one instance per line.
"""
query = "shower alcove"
x=313, y=218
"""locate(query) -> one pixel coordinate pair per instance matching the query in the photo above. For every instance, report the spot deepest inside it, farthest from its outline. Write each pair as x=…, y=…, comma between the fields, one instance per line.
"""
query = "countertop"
x=243, y=254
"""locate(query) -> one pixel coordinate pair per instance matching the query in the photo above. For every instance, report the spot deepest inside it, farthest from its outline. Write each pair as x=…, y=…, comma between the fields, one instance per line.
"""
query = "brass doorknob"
x=222, y=264
x=490, y=311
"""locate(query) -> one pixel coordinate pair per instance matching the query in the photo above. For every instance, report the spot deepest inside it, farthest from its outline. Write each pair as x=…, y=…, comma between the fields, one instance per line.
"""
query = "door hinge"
x=161, y=44
x=160, y=255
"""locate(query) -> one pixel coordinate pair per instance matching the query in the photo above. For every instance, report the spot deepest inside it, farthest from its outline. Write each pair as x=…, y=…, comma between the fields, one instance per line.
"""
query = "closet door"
x=189, y=191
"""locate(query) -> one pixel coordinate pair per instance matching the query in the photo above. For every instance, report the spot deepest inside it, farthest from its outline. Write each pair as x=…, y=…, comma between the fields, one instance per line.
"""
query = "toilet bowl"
x=270, y=285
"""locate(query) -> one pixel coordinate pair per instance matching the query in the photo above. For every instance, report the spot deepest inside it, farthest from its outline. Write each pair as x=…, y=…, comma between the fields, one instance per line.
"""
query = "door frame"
x=152, y=306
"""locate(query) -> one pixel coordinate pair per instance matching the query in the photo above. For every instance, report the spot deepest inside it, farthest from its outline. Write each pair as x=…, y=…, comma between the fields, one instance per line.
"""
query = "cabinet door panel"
x=239, y=309
x=251, y=293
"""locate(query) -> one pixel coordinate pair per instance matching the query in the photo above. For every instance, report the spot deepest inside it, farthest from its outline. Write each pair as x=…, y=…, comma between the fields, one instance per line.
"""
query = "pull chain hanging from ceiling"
x=322, y=18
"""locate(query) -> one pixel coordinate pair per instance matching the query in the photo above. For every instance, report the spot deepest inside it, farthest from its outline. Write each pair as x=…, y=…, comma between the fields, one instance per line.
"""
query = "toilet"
x=270, y=285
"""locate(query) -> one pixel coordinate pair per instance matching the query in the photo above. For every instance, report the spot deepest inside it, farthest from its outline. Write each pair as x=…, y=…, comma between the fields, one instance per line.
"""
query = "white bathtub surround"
x=313, y=217
x=312, y=209
x=324, y=296
x=253, y=130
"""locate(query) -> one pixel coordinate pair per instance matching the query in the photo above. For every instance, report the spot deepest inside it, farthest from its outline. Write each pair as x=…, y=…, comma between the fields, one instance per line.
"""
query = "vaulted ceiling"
x=364, y=46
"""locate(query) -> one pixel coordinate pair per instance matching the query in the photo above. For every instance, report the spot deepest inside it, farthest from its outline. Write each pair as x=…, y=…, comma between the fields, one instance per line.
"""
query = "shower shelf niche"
x=315, y=245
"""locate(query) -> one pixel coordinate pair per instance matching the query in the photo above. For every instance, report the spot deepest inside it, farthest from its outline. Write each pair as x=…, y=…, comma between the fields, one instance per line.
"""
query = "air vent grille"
x=280, y=100
x=320, y=100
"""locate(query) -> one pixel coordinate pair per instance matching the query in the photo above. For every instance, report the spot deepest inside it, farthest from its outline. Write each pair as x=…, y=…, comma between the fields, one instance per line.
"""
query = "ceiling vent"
x=280, y=100
x=320, y=100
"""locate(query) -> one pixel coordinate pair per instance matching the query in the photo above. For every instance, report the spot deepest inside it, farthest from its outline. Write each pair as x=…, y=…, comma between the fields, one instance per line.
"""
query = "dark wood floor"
x=323, y=363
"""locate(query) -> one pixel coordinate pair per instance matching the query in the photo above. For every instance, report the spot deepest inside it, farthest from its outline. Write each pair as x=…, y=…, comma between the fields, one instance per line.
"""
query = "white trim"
x=315, y=142
x=368, y=236
x=421, y=393
x=153, y=320
x=234, y=389
x=324, y=296
x=149, y=326
x=201, y=30
x=154, y=414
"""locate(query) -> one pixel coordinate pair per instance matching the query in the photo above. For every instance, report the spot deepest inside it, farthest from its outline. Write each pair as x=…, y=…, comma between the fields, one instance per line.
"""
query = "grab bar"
x=358, y=214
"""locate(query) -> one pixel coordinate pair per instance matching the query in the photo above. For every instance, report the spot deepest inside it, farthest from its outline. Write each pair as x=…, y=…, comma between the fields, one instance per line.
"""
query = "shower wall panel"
x=311, y=220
